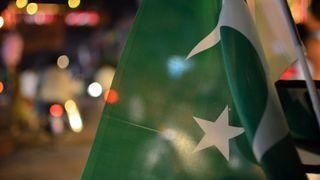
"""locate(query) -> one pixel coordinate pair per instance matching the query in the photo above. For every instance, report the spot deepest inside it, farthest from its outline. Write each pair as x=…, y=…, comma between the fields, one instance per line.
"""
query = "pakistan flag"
x=195, y=100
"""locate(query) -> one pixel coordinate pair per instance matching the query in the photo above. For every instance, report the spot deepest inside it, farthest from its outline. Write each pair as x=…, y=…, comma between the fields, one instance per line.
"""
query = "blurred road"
x=64, y=162
x=39, y=158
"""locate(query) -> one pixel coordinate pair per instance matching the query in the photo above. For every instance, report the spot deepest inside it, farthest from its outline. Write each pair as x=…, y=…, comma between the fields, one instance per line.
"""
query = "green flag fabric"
x=213, y=116
x=248, y=73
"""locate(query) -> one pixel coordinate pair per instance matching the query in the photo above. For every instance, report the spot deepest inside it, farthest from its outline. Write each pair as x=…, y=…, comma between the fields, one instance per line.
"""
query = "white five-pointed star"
x=217, y=133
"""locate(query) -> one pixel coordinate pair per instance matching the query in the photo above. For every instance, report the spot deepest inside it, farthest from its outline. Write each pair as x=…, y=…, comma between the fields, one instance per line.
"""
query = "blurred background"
x=57, y=62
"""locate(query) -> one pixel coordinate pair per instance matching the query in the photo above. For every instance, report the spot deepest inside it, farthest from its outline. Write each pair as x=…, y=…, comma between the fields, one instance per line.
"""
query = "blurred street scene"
x=57, y=62
x=38, y=156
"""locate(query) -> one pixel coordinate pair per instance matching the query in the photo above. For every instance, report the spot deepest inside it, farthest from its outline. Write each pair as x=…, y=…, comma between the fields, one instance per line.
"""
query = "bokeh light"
x=111, y=96
x=56, y=110
x=82, y=18
x=70, y=106
x=73, y=3
x=21, y=3
x=1, y=87
x=1, y=21
x=178, y=66
x=74, y=117
x=32, y=8
x=63, y=62
x=95, y=89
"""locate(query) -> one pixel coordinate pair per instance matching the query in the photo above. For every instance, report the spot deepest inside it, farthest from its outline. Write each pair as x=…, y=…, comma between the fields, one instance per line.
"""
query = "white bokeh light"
x=1, y=21
x=95, y=89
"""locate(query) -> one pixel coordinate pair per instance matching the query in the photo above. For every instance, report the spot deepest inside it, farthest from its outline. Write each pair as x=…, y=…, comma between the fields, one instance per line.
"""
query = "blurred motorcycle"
x=63, y=117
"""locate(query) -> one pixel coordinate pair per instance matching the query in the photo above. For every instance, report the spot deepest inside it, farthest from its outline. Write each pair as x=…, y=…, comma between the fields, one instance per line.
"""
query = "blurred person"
x=55, y=87
x=28, y=88
x=313, y=20
x=11, y=51
x=309, y=33
x=311, y=41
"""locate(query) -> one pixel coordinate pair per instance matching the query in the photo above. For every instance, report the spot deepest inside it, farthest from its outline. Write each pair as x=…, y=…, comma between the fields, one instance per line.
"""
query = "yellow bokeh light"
x=73, y=3
x=74, y=117
x=32, y=8
x=21, y=3
x=70, y=106
x=1, y=21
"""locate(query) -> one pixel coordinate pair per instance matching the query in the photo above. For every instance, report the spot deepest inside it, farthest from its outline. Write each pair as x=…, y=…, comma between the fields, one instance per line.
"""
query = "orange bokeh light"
x=56, y=110
x=111, y=96
x=1, y=87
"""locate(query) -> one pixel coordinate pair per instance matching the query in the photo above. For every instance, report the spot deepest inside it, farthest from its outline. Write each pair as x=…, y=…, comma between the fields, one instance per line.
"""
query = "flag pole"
x=303, y=61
